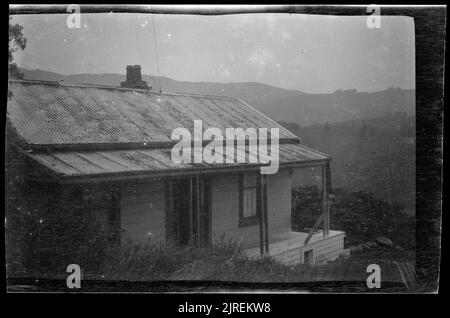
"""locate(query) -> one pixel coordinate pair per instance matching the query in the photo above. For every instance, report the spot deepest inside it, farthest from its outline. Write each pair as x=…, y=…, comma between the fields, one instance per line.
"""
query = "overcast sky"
x=314, y=54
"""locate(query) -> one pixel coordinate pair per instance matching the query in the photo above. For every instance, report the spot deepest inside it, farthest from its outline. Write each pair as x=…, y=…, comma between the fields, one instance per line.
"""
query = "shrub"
x=132, y=262
x=360, y=214
x=306, y=207
x=56, y=238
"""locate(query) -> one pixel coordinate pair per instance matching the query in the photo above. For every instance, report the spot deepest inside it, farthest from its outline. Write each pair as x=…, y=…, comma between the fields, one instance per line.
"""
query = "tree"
x=16, y=42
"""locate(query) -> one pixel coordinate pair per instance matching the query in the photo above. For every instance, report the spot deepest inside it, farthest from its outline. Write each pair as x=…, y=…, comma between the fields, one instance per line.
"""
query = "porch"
x=318, y=245
x=290, y=247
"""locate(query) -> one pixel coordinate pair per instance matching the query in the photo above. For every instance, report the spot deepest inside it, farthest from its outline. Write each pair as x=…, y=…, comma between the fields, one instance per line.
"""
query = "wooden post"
x=209, y=200
x=324, y=200
x=117, y=215
x=168, y=210
x=261, y=217
x=328, y=187
x=174, y=207
x=266, y=216
x=198, y=211
x=191, y=207
x=311, y=232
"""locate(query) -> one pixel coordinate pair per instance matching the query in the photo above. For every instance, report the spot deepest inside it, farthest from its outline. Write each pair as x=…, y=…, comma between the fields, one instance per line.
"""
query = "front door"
x=188, y=212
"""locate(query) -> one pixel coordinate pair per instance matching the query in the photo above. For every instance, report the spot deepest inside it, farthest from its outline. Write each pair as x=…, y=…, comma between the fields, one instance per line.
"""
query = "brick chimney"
x=134, y=78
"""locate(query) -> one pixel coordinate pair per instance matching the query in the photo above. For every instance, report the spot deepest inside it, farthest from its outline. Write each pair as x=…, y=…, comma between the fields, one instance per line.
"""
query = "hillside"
x=280, y=104
x=370, y=136
x=374, y=155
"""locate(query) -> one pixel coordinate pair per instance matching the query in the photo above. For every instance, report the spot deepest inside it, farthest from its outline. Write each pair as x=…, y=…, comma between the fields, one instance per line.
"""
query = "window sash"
x=249, y=204
x=249, y=199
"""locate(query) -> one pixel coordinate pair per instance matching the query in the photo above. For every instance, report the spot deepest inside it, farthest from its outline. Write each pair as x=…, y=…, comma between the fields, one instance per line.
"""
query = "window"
x=249, y=199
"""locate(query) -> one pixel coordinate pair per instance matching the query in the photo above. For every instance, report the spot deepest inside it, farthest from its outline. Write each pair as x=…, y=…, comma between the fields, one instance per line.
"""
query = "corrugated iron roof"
x=118, y=162
x=46, y=113
x=77, y=131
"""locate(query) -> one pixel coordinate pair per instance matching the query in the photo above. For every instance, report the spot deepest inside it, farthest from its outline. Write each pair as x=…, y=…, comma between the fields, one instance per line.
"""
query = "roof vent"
x=134, y=78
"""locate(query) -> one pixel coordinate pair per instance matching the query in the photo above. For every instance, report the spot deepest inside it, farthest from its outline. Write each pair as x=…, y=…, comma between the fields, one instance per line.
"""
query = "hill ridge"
x=278, y=103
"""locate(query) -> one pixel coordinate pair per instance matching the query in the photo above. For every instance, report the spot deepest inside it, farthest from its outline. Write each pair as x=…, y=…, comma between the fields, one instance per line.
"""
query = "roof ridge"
x=268, y=118
x=141, y=90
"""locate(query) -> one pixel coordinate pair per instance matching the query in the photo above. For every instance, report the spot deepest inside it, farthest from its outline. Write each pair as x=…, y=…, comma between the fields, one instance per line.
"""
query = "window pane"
x=254, y=202
x=249, y=204
x=253, y=210
x=246, y=203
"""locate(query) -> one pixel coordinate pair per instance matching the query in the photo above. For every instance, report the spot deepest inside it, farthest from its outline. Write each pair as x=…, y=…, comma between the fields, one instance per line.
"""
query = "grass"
x=362, y=216
x=224, y=261
x=359, y=214
x=151, y=262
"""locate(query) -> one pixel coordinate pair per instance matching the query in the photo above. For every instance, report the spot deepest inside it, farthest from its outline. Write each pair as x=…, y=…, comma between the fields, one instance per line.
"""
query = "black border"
x=430, y=31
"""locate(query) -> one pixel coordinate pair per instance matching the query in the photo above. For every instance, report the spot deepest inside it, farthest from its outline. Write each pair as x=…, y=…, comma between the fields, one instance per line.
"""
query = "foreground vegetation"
x=225, y=262
x=360, y=214
x=217, y=266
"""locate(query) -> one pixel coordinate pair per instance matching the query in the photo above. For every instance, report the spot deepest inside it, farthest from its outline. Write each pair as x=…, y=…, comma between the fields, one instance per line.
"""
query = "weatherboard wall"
x=225, y=212
x=143, y=211
x=279, y=187
x=225, y=209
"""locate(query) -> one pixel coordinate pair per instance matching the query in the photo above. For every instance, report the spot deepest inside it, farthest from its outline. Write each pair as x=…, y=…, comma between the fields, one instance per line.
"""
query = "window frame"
x=254, y=219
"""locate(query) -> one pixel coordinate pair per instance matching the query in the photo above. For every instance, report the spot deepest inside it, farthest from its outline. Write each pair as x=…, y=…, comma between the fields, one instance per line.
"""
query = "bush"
x=306, y=207
x=57, y=238
x=221, y=261
x=360, y=214
x=131, y=262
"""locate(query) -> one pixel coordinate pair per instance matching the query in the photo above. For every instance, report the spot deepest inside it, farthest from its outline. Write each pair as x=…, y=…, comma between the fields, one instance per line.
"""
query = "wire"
x=156, y=53
x=139, y=49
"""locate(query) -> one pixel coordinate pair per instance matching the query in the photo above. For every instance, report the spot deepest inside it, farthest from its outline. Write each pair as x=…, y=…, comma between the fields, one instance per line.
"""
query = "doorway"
x=188, y=213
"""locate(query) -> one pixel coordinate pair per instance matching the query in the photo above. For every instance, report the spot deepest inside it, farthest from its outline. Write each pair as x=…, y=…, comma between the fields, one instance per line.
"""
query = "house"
x=106, y=153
